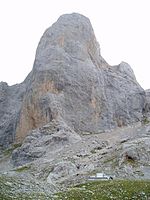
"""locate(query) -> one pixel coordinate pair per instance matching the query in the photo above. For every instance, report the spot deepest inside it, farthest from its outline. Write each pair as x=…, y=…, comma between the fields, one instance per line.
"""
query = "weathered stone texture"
x=10, y=105
x=71, y=80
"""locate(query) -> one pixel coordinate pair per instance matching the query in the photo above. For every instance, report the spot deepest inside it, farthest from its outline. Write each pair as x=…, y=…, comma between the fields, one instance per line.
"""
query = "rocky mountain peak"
x=71, y=37
x=70, y=80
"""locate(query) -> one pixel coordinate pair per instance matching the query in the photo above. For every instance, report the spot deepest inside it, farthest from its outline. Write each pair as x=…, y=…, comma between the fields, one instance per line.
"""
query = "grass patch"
x=23, y=168
x=146, y=121
x=106, y=190
x=16, y=145
x=25, y=196
x=13, y=188
x=93, y=151
x=9, y=151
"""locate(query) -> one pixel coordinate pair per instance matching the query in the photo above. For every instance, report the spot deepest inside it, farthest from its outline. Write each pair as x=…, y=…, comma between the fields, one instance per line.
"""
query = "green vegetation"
x=16, y=145
x=23, y=168
x=9, y=151
x=146, y=121
x=106, y=190
x=25, y=196
x=12, y=188
x=93, y=151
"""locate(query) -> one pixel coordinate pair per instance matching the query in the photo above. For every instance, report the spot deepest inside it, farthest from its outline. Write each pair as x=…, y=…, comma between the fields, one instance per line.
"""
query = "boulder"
x=48, y=140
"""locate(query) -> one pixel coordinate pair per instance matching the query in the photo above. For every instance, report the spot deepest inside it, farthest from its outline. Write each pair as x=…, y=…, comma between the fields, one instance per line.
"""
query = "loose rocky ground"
x=56, y=159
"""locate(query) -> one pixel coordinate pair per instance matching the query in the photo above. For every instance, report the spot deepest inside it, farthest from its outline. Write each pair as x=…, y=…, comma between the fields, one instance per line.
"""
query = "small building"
x=100, y=176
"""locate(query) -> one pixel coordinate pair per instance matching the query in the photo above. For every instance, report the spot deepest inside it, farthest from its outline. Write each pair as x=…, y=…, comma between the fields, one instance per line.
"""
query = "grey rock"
x=137, y=150
x=71, y=80
x=62, y=171
x=50, y=139
x=11, y=98
x=147, y=104
x=58, y=156
x=63, y=161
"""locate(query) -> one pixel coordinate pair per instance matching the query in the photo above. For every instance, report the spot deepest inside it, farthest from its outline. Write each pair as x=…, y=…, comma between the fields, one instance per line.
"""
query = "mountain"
x=70, y=80
x=74, y=114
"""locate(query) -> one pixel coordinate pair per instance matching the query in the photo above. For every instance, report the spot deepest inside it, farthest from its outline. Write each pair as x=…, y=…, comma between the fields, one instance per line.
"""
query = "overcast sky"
x=122, y=28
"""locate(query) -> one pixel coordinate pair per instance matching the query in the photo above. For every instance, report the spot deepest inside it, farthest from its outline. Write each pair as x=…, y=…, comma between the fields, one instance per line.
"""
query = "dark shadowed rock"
x=147, y=103
x=10, y=104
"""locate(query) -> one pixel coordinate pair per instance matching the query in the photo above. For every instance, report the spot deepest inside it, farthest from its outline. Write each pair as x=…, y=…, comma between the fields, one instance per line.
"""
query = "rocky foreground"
x=51, y=160
x=73, y=116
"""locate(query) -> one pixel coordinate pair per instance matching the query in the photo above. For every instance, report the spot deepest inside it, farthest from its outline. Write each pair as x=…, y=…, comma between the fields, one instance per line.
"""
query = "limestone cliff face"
x=71, y=80
x=10, y=104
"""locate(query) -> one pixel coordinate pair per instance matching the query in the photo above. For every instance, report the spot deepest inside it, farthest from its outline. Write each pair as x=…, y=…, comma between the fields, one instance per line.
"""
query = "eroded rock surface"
x=59, y=156
x=50, y=139
x=10, y=105
x=71, y=80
